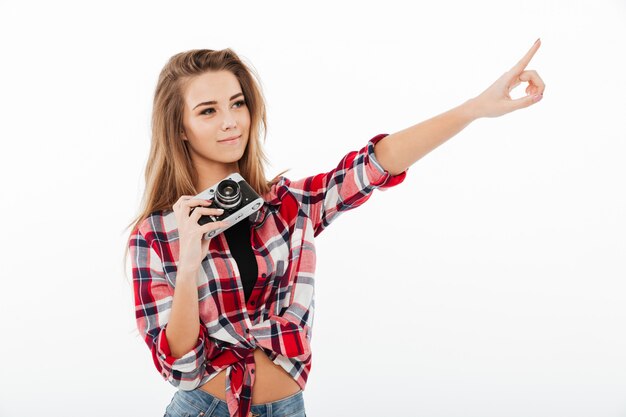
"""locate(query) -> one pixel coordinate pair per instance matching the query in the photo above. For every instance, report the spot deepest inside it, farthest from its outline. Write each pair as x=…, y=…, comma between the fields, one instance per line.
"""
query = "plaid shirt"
x=278, y=317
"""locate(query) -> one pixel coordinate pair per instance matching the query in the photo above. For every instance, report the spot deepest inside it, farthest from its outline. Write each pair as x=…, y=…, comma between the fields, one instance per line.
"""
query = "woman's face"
x=215, y=109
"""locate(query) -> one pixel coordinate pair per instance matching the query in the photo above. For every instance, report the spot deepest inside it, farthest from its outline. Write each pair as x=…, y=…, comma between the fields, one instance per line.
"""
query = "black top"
x=238, y=238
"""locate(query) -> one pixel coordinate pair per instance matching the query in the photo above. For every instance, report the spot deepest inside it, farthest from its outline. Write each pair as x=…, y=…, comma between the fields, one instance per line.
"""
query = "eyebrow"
x=215, y=102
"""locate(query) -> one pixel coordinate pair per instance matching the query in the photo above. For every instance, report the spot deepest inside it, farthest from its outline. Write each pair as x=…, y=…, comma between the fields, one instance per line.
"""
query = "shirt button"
x=247, y=330
x=252, y=370
x=251, y=302
x=263, y=275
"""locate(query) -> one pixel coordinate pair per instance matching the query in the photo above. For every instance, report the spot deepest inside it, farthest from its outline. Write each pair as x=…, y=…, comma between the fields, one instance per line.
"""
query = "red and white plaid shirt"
x=278, y=316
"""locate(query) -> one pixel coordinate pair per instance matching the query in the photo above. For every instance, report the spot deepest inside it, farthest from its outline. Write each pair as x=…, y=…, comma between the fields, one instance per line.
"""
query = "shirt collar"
x=274, y=197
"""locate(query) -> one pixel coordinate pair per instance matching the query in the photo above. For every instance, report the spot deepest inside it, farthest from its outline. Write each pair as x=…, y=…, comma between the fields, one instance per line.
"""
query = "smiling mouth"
x=230, y=139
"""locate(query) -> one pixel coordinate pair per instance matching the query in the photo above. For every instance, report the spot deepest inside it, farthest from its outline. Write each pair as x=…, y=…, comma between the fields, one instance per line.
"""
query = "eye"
x=239, y=103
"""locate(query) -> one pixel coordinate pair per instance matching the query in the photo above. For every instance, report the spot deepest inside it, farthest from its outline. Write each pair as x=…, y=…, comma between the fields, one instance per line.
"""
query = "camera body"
x=235, y=196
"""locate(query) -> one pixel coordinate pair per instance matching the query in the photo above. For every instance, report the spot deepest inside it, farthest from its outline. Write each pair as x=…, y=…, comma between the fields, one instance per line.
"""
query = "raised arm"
x=323, y=197
x=398, y=151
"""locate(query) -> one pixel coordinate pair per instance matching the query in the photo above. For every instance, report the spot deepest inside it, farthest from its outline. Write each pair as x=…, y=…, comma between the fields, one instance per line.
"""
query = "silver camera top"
x=235, y=196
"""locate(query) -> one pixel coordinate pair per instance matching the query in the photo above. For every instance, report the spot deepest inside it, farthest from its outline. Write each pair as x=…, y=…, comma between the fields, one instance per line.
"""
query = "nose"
x=228, y=122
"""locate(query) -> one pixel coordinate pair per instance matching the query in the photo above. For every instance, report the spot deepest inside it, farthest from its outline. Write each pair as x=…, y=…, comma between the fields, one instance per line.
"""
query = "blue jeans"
x=199, y=403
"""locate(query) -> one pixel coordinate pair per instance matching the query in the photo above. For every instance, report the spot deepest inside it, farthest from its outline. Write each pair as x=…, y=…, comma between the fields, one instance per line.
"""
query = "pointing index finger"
x=519, y=67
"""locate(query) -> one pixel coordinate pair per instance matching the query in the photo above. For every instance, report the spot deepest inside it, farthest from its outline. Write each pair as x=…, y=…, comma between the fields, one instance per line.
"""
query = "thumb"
x=526, y=101
x=204, y=246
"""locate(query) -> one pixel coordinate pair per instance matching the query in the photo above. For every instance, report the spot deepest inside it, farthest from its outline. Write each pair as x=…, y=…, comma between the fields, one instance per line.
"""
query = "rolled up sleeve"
x=184, y=372
x=378, y=177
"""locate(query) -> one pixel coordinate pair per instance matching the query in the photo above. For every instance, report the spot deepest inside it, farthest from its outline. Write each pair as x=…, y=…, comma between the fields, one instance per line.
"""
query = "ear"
x=182, y=135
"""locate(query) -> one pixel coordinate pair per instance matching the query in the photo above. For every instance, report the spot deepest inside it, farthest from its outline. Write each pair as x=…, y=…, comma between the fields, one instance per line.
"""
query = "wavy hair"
x=169, y=172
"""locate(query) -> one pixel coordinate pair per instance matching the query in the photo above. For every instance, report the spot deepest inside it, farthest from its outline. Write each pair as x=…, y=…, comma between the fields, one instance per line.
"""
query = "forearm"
x=184, y=322
x=398, y=151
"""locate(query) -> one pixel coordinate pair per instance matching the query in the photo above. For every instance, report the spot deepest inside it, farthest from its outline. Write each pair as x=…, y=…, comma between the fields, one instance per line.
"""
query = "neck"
x=209, y=176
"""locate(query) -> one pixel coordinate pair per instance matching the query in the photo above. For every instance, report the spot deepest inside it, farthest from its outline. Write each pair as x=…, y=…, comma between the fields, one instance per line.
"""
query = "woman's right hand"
x=193, y=247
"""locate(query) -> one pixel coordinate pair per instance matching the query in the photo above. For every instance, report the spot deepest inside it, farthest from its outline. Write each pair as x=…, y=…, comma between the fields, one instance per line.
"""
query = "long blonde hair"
x=169, y=172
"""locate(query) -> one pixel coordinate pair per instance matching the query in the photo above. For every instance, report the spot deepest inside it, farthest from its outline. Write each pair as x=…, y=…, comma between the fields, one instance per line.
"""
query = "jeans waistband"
x=204, y=401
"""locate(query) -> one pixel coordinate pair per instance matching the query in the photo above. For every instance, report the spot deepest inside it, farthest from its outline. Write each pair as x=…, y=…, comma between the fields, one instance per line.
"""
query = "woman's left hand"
x=496, y=101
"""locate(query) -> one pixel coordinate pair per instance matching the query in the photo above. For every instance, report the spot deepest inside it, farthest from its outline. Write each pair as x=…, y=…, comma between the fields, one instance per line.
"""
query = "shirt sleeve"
x=153, y=305
x=325, y=196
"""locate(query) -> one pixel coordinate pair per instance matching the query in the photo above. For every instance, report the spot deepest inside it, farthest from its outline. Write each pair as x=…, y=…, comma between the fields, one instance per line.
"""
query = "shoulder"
x=158, y=226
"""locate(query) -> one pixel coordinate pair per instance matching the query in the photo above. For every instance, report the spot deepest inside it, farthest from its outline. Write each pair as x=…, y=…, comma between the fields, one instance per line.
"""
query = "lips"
x=230, y=138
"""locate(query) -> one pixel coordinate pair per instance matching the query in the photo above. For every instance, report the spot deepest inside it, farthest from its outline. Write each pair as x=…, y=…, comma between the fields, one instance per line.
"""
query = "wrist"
x=472, y=109
x=186, y=270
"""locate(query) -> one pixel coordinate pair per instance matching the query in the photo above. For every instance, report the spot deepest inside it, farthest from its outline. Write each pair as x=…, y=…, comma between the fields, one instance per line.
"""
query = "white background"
x=490, y=283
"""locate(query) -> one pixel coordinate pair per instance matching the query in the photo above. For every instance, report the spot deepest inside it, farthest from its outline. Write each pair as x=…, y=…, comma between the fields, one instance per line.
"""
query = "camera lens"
x=228, y=194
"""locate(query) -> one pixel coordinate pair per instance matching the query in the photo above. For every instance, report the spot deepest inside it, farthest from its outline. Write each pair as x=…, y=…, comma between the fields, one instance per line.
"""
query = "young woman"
x=229, y=320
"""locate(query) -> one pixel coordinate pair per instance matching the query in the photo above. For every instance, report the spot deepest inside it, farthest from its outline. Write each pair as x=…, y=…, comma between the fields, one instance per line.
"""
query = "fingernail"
x=537, y=97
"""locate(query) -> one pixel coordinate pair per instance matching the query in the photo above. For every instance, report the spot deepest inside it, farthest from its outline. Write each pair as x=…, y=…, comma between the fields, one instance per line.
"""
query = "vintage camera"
x=235, y=196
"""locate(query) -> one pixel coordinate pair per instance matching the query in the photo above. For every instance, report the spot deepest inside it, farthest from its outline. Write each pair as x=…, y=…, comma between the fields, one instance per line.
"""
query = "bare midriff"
x=271, y=382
